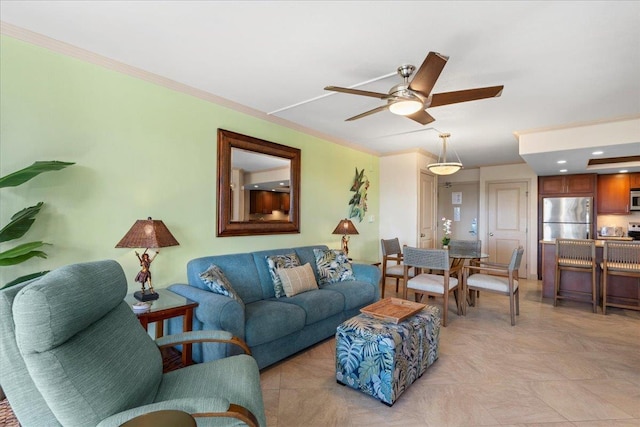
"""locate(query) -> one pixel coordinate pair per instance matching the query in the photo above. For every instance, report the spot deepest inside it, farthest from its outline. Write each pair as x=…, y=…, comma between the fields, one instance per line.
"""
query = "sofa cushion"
x=276, y=262
x=318, y=305
x=239, y=269
x=356, y=293
x=218, y=283
x=297, y=280
x=333, y=266
x=268, y=320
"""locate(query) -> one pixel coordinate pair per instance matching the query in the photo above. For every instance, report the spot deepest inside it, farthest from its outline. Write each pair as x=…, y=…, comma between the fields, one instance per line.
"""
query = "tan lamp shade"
x=344, y=227
x=148, y=233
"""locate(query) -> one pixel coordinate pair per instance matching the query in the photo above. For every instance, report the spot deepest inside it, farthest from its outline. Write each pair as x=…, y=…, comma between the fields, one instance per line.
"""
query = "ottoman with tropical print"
x=382, y=358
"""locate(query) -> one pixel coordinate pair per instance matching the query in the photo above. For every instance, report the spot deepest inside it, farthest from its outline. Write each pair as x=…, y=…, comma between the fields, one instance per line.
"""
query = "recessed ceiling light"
x=562, y=162
x=563, y=170
x=624, y=171
x=597, y=153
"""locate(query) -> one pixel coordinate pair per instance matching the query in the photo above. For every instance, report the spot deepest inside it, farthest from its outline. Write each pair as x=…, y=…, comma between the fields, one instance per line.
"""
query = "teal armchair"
x=84, y=358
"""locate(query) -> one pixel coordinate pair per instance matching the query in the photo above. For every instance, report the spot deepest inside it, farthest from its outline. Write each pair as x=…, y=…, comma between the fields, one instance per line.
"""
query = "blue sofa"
x=274, y=328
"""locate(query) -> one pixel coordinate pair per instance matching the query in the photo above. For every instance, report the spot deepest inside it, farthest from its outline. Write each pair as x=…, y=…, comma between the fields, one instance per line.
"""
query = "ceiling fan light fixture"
x=442, y=167
x=405, y=107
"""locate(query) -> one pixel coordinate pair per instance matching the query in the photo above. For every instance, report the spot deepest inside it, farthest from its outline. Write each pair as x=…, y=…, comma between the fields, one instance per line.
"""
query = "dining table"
x=459, y=259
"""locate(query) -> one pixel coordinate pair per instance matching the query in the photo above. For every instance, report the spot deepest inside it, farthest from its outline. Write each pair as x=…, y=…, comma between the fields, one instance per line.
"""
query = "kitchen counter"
x=624, y=239
x=618, y=287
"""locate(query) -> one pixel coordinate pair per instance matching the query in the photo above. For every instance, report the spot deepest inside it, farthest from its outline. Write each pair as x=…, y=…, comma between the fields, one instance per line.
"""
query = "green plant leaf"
x=20, y=223
x=21, y=253
x=24, y=278
x=24, y=175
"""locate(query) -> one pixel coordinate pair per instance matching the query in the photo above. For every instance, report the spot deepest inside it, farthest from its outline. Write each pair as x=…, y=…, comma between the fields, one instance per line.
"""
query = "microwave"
x=634, y=202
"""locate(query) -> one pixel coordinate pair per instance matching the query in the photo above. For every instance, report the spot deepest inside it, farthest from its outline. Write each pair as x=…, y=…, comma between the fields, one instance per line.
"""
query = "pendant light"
x=443, y=167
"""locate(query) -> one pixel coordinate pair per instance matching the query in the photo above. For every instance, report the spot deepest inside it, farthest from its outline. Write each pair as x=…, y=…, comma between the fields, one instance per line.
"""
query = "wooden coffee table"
x=167, y=306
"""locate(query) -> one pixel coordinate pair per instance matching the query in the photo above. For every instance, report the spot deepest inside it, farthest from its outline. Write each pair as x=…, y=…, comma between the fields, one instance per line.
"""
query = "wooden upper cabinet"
x=634, y=180
x=265, y=202
x=567, y=184
x=613, y=193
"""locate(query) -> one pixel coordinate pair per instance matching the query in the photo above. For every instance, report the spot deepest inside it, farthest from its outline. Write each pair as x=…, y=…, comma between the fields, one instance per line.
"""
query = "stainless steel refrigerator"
x=567, y=218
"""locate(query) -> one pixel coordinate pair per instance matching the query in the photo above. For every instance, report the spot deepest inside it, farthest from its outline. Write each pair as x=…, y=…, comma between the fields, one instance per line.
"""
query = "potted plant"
x=21, y=221
x=446, y=227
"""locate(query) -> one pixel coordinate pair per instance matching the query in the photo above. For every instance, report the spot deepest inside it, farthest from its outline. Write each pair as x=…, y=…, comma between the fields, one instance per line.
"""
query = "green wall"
x=145, y=150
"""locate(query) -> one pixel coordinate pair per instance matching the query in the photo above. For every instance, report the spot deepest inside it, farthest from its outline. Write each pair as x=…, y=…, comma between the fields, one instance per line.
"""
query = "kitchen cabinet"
x=634, y=180
x=613, y=194
x=265, y=202
x=584, y=184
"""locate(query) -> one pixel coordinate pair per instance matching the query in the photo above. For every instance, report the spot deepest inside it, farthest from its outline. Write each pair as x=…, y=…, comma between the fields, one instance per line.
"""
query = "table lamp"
x=147, y=233
x=345, y=227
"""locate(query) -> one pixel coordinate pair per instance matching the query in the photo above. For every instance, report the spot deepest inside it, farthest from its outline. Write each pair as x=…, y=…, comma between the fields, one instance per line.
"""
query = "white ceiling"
x=561, y=62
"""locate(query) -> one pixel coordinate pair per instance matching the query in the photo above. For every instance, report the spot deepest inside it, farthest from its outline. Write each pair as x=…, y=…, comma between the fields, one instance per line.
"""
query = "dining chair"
x=428, y=283
x=467, y=248
x=620, y=259
x=497, y=278
x=578, y=255
x=392, y=253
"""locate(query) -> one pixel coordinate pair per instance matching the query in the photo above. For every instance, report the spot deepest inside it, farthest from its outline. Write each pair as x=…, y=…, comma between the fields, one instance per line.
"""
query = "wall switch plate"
x=372, y=218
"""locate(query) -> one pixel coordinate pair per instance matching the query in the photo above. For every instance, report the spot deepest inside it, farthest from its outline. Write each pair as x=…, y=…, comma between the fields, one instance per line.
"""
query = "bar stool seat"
x=620, y=259
x=576, y=255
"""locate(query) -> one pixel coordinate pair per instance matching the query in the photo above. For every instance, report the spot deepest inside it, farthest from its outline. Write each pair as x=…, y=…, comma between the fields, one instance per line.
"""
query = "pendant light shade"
x=443, y=167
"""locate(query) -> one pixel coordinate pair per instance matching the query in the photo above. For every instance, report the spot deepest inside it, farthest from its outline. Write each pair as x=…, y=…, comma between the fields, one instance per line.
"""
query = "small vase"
x=445, y=246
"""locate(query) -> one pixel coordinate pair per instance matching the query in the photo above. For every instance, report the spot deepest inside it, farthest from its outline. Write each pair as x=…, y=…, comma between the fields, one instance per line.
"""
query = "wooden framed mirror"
x=258, y=186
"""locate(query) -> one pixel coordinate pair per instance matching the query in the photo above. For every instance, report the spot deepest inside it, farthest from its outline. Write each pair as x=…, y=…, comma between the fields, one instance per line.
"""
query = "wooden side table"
x=167, y=306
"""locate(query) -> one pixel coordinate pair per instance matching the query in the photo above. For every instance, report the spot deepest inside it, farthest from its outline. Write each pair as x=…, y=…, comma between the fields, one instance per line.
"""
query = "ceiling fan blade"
x=447, y=98
x=428, y=73
x=366, y=113
x=357, y=92
x=421, y=117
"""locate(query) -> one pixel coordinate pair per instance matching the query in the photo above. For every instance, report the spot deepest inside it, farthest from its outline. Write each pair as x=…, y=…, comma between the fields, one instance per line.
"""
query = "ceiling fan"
x=412, y=98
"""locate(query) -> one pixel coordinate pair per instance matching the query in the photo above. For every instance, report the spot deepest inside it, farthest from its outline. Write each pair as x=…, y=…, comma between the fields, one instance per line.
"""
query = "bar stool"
x=619, y=259
x=576, y=255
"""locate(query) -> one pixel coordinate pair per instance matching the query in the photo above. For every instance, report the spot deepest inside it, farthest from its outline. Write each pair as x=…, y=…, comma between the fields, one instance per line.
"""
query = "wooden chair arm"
x=235, y=411
x=486, y=267
x=164, y=342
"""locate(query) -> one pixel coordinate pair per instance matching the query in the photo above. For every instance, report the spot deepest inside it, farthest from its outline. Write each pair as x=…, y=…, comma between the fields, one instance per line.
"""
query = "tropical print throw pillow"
x=215, y=279
x=274, y=262
x=333, y=266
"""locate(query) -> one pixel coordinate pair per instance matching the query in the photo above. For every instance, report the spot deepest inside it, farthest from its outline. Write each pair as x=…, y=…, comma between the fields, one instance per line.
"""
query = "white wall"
x=399, y=197
x=399, y=188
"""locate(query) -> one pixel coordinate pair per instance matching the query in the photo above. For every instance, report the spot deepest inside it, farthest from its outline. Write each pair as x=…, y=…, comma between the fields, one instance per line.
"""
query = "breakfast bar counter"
x=617, y=286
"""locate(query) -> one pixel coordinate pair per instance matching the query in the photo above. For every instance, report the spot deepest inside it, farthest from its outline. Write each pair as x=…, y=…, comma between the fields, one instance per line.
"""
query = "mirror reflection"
x=260, y=187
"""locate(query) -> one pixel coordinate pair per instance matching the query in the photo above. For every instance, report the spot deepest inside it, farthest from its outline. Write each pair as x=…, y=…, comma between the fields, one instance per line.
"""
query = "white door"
x=427, y=205
x=507, y=221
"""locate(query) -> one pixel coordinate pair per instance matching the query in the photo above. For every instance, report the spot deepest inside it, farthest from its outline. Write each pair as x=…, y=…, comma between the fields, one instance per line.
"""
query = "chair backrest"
x=83, y=347
x=581, y=251
x=427, y=258
x=390, y=247
x=465, y=246
x=27, y=403
x=516, y=259
x=621, y=256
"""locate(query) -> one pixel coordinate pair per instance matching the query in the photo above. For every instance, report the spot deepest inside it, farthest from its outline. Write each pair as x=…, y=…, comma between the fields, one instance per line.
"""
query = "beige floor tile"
x=620, y=393
x=558, y=367
x=313, y=407
x=576, y=403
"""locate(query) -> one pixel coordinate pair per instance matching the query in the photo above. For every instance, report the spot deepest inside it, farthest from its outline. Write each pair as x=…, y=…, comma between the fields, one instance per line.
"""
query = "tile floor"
x=558, y=367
